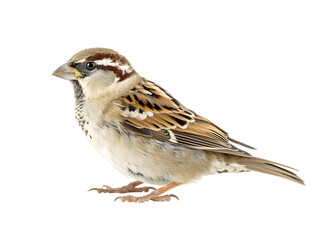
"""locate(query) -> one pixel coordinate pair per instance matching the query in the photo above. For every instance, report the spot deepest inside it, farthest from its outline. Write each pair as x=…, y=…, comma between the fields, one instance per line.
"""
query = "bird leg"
x=131, y=187
x=154, y=196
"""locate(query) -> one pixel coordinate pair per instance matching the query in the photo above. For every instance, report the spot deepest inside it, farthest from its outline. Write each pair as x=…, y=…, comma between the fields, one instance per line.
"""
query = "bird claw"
x=131, y=187
x=165, y=198
x=143, y=189
x=104, y=189
x=130, y=198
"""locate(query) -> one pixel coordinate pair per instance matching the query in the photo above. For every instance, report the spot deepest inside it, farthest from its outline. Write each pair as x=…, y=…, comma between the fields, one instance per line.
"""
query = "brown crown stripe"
x=118, y=72
x=114, y=57
x=125, y=76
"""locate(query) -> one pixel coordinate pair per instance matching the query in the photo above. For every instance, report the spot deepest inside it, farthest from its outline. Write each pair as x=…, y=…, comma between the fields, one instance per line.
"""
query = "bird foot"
x=149, y=197
x=131, y=187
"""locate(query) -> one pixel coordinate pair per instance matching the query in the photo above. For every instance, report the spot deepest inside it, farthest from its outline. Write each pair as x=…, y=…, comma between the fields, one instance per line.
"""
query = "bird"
x=147, y=134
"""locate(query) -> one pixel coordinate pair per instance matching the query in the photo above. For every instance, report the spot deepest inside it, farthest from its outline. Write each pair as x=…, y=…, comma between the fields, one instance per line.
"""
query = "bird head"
x=97, y=71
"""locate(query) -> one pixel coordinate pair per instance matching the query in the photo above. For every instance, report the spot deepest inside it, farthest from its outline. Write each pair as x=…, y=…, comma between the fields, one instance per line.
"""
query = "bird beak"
x=67, y=72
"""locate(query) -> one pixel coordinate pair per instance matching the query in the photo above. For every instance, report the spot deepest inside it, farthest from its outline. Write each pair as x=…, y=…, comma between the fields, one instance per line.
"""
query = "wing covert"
x=150, y=111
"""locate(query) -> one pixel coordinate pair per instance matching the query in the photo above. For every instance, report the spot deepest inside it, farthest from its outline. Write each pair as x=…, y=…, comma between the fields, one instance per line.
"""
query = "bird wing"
x=150, y=111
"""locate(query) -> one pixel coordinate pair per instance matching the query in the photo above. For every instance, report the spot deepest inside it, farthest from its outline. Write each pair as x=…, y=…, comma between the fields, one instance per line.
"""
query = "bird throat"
x=80, y=102
x=78, y=91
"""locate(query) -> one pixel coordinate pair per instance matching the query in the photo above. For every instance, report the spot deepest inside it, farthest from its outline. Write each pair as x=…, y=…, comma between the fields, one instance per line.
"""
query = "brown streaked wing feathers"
x=172, y=122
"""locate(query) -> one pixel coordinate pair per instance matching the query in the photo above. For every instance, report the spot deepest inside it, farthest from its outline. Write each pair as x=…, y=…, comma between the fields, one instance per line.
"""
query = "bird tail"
x=269, y=167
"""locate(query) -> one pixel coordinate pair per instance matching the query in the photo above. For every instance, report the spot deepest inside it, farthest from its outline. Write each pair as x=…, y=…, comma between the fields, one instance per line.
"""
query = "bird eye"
x=90, y=66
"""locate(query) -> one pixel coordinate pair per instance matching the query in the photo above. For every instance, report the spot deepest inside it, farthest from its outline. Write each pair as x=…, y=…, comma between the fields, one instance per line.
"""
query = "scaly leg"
x=154, y=196
x=131, y=187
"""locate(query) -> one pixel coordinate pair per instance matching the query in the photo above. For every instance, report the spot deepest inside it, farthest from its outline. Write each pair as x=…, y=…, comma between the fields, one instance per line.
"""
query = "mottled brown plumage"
x=146, y=133
x=186, y=127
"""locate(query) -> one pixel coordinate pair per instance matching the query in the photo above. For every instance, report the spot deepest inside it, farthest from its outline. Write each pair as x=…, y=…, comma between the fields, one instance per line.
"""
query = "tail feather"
x=269, y=167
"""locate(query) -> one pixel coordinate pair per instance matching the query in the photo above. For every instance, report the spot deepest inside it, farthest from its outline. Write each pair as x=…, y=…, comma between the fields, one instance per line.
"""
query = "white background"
x=252, y=67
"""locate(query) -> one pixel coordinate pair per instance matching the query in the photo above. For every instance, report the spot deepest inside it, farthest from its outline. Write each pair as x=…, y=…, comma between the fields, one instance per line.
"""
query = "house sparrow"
x=146, y=133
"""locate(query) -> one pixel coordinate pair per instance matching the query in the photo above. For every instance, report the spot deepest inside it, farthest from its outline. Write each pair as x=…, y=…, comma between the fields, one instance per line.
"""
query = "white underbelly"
x=126, y=154
x=155, y=162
